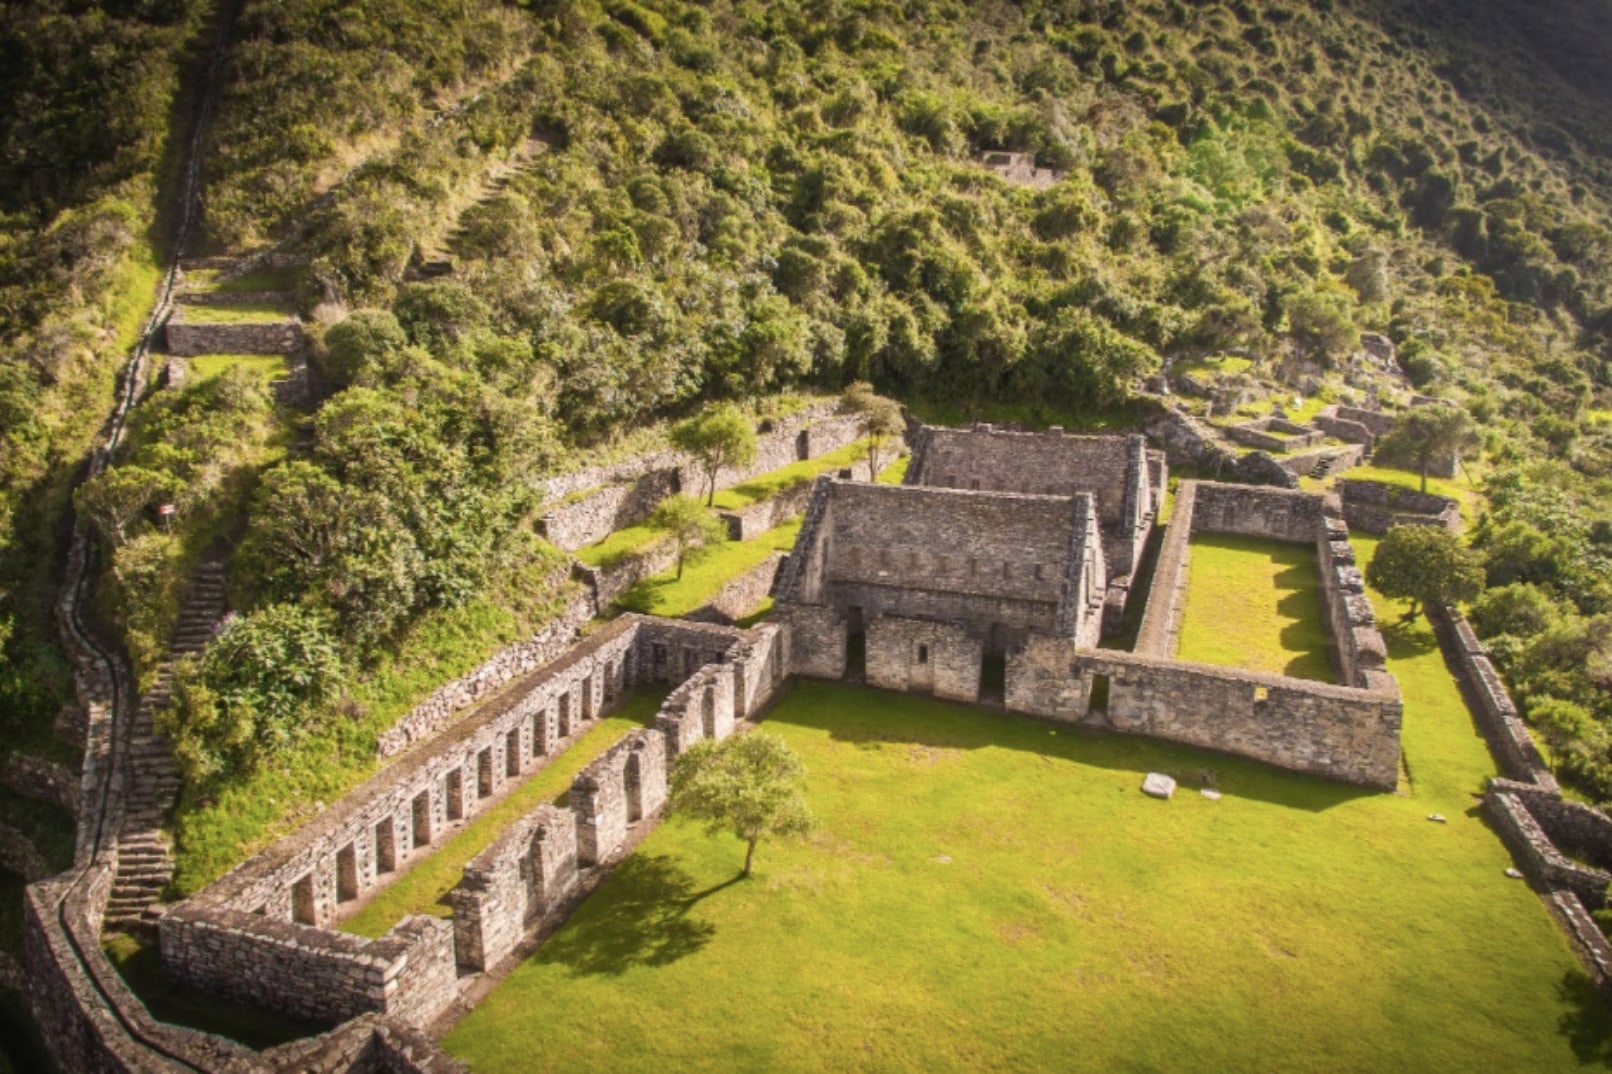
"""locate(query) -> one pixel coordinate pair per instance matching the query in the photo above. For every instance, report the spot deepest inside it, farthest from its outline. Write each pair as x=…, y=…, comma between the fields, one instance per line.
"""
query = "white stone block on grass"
x=1158, y=785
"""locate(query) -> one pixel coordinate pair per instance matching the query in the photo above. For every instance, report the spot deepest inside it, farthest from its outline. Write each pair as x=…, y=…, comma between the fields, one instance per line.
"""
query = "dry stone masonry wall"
x=262, y=934
x=1375, y=507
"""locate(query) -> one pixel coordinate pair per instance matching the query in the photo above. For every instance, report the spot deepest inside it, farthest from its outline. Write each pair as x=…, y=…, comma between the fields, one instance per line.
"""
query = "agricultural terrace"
x=1255, y=604
x=987, y=891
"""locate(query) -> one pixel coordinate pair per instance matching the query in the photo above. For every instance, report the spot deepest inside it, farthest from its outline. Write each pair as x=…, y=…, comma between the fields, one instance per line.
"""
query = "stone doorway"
x=856, y=644
x=632, y=778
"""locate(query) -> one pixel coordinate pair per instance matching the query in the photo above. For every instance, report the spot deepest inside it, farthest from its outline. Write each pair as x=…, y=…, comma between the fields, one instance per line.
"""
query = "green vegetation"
x=1426, y=565
x=689, y=525
x=218, y=826
x=266, y=278
x=1255, y=604
x=422, y=888
x=620, y=544
x=990, y=892
x=784, y=478
x=203, y=367
x=718, y=437
x=749, y=786
x=708, y=571
x=236, y=313
x=140, y=965
x=896, y=472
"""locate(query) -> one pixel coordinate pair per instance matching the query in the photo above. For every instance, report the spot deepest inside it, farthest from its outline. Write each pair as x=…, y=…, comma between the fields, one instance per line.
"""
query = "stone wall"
x=1126, y=480
x=368, y=1044
x=1351, y=622
x=1338, y=732
x=258, y=934
x=1536, y=854
x=1375, y=507
x=742, y=595
x=748, y=523
x=1491, y=706
x=1160, y=632
x=1377, y=422
x=924, y=657
x=314, y=974
x=528, y=871
x=995, y=560
x=188, y=338
x=1275, y=434
x=522, y=658
x=610, y=582
x=818, y=638
x=593, y=515
x=1255, y=511
x=362, y=842
x=597, y=501
x=1351, y=432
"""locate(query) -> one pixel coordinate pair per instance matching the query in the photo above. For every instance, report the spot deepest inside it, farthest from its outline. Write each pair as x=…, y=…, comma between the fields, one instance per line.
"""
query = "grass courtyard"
x=992, y=892
x=1255, y=604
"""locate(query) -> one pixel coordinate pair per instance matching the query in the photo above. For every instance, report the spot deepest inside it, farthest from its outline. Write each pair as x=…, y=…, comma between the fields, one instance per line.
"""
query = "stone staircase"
x=145, y=856
x=434, y=260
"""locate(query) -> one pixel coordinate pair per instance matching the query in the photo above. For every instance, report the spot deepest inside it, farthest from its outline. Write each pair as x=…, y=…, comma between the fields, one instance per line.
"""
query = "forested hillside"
x=529, y=231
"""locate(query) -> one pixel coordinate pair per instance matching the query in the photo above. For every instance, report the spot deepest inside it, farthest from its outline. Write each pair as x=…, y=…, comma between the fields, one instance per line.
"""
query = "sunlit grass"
x=1255, y=604
x=770, y=484
x=705, y=573
x=204, y=367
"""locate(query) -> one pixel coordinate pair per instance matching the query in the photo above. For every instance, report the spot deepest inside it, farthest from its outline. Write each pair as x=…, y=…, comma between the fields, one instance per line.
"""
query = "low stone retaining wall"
x=504, y=666
x=1375, y=507
x=188, y=338
x=742, y=595
x=319, y=976
x=751, y=522
x=1376, y=422
x=1352, y=432
x=600, y=500
x=1275, y=434
x=610, y=582
x=1537, y=855
x=1490, y=703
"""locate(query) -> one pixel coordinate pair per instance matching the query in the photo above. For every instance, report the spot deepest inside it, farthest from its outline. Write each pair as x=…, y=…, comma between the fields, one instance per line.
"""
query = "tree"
x=877, y=419
x=1425, y=564
x=721, y=436
x=1568, y=728
x=115, y=497
x=688, y=523
x=1425, y=433
x=748, y=784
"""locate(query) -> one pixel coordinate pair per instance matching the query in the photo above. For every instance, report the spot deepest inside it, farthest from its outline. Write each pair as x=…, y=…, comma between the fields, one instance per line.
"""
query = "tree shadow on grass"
x=1587, y=1025
x=1406, y=639
x=872, y=719
x=640, y=918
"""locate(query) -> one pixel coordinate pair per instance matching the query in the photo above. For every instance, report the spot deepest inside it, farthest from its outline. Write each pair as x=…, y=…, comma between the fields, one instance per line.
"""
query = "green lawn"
x=1255, y=604
x=705, y=573
x=268, y=278
x=207, y=366
x=896, y=472
x=619, y=545
x=422, y=888
x=236, y=313
x=992, y=892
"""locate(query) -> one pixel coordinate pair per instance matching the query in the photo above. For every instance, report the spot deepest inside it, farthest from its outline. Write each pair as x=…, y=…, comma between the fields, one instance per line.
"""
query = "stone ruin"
x=265, y=934
x=940, y=590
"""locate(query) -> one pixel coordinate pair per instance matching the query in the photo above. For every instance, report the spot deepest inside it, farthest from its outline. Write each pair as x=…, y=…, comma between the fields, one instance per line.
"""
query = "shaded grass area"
x=1462, y=490
x=22, y=1049
x=140, y=965
x=804, y=472
x=237, y=313
x=1255, y=604
x=705, y=573
x=205, y=367
x=421, y=890
x=992, y=892
x=216, y=831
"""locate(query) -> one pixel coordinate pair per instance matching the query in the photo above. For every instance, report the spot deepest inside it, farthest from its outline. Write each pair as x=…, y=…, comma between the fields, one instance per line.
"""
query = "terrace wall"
x=600, y=500
x=1375, y=507
x=187, y=338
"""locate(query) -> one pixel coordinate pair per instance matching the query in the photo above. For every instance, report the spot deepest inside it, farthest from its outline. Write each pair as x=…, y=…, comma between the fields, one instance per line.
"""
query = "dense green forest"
x=730, y=200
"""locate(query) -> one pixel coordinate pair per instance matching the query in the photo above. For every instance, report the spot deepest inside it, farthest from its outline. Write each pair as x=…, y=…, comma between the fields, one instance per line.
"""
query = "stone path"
x=436, y=258
x=145, y=855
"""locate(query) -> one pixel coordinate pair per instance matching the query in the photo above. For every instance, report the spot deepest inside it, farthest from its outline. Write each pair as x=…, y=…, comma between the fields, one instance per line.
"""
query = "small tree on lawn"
x=1425, y=433
x=688, y=522
x=1425, y=564
x=877, y=420
x=721, y=436
x=748, y=784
